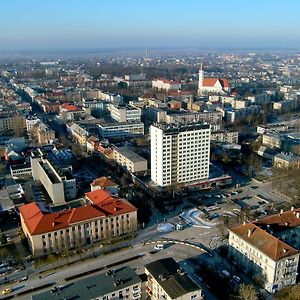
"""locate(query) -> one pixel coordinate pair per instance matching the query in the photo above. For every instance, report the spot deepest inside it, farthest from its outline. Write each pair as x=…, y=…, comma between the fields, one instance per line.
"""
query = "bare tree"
x=247, y=292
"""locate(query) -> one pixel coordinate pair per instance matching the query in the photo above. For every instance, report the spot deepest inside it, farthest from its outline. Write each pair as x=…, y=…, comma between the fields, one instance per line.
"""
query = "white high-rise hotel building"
x=179, y=154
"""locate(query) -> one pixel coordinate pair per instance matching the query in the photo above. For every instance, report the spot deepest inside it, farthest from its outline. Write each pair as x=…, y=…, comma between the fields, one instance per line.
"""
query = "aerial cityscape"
x=150, y=150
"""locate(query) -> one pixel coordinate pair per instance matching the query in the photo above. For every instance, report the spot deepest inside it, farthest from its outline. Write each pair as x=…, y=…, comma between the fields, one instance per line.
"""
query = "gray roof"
x=94, y=286
x=171, y=277
x=130, y=154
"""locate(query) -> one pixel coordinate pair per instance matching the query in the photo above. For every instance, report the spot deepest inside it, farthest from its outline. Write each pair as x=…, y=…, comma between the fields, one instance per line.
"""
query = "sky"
x=96, y=24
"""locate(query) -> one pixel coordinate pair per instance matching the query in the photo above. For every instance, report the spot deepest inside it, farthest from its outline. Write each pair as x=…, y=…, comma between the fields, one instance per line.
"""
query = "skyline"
x=40, y=25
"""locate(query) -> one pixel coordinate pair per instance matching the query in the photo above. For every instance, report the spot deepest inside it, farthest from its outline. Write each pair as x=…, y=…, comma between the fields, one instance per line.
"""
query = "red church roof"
x=210, y=82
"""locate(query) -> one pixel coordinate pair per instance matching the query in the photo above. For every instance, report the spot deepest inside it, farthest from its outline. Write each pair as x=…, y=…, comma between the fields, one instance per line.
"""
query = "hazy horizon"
x=76, y=25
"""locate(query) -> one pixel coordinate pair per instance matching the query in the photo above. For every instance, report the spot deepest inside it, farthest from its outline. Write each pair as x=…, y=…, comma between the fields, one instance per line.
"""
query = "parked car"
x=236, y=278
x=6, y=291
x=159, y=247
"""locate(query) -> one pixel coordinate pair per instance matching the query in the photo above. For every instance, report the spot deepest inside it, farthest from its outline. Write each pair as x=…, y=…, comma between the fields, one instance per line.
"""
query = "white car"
x=236, y=278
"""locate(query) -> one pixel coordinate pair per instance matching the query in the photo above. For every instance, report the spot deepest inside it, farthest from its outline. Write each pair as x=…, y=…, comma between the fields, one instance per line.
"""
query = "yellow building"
x=103, y=218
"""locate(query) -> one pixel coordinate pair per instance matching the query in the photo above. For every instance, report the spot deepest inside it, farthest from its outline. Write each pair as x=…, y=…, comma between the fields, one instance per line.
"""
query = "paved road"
x=177, y=251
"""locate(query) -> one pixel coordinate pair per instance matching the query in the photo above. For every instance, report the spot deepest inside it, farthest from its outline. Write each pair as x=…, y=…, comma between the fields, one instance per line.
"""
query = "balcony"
x=136, y=296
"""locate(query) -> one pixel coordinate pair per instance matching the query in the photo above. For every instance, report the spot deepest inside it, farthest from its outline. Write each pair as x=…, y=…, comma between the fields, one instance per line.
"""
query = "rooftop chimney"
x=281, y=211
x=249, y=232
x=297, y=215
x=292, y=208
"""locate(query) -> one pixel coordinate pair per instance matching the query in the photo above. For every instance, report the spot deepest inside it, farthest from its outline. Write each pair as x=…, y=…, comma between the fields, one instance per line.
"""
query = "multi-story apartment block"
x=103, y=218
x=130, y=160
x=225, y=136
x=232, y=115
x=179, y=154
x=30, y=122
x=272, y=140
x=12, y=124
x=124, y=114
x=268, y=249
x=56, y=179
x=78, y=133
x=286, y=161
x=42, y=133
x=167, y=280
x=119, y=283
x=121, y=130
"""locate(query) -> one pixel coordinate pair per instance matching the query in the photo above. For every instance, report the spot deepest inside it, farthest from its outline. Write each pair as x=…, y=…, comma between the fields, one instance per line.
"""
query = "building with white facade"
x=30, y=122
x=125, y=113
x=167, y=85
x=130, y=160
x=56, y=179
x=268, y=250
x=179, y=154
x=121, y=130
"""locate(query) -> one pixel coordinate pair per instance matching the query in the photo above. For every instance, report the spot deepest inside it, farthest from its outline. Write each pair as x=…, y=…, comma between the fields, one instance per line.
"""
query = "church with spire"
x=212, y=86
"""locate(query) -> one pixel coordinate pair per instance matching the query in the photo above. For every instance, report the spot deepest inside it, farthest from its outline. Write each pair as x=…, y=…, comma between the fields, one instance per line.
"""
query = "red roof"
x=103, y=205
x=212, y=81
x=264, y=241
x=103, y=182
x=70, y=107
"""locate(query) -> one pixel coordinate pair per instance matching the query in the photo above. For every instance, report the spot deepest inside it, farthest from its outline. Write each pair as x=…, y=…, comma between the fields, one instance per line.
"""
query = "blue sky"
x=77, y=24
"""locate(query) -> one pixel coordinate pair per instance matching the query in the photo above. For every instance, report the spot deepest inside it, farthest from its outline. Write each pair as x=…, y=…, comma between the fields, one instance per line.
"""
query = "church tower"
x=201, y=78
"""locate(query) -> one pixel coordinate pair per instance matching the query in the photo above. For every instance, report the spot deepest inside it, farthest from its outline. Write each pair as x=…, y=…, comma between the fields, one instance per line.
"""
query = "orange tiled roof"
x=264, y=241
x=103, y=182
x=212, y=81
x=104, y=205
x=289, y=218
x=70, y=107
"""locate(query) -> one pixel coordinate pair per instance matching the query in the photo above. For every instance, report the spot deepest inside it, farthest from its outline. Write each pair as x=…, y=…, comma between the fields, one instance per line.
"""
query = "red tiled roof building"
x=103, y=218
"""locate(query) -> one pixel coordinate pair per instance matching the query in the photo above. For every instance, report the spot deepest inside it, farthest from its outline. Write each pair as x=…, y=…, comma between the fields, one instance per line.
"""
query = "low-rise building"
x=121, y=130
x=225, y=136
x=21, y=170
x=120, y=283
x=103, y=218
x=272, y=140
x=167, y=85
x=286, y=161
x=104, y=183
x=130, y=160
x=167, y=280
x=268, y=249
x=70, y=112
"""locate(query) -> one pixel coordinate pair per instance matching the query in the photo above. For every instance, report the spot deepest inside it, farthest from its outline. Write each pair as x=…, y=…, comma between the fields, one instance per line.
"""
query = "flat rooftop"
x=130, y=154
x=94, y=286
x=171, y=277
x=177, y=128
